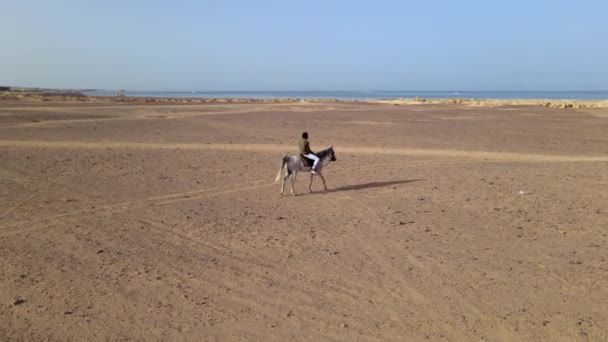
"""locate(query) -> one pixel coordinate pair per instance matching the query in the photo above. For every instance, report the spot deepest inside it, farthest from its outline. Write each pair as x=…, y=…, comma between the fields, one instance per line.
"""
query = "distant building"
x=3, y=88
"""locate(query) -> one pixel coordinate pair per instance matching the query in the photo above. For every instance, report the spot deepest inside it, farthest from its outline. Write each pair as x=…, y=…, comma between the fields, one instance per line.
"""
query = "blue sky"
x=305, y=45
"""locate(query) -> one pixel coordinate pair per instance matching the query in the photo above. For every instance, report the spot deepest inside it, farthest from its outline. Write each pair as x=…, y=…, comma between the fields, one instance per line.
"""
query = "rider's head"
x=305, y=135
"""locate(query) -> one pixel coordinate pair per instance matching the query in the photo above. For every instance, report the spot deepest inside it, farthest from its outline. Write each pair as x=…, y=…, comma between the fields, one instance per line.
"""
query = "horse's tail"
x=283, y=161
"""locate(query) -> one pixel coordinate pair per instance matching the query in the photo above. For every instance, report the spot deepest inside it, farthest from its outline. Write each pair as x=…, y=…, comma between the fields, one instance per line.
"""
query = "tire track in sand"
x=157, y=200
x=291, y=280
x=35, y=193
x=235, y=261
x=167, y=199
x=122, y=206
x=401, y=291
x=377, y=253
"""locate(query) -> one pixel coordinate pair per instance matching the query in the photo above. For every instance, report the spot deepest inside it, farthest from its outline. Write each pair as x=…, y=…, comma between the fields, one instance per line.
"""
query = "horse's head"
x=332, y=154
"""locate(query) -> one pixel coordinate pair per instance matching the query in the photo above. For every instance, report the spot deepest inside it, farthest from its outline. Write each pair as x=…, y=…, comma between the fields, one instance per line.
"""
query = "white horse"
x=293, y=164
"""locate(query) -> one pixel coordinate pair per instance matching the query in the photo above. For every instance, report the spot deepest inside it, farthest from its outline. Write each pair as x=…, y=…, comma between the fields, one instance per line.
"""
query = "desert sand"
x=135, y=220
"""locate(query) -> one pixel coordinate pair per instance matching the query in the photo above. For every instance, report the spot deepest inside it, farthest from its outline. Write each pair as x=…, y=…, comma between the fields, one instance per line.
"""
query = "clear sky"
x=305, y=45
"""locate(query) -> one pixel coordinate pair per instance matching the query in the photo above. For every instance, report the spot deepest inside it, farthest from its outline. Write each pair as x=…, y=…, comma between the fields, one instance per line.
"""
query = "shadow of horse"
x=372, y=185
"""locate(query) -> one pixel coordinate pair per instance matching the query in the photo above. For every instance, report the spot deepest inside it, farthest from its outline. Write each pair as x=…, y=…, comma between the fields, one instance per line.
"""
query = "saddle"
x=307, y=161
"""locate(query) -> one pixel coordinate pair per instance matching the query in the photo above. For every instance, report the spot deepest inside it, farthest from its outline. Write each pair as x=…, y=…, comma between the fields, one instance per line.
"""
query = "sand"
x=146, y=221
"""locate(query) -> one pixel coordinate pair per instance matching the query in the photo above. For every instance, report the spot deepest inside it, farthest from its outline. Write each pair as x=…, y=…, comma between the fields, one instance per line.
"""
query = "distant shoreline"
x=366, y=95
x=73, y=96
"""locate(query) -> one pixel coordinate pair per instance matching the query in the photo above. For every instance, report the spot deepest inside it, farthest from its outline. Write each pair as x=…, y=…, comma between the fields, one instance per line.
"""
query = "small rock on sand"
x=18, y=301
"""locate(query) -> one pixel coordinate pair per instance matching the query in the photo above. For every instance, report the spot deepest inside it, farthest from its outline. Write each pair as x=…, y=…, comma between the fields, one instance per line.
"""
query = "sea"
x=362, y=95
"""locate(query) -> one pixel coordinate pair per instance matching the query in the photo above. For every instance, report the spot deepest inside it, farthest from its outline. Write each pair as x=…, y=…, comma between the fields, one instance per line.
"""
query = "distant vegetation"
x=17, y=93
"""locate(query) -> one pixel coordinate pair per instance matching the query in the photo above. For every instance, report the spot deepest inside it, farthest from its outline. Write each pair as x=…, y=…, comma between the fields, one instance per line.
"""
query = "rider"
x=305, y=151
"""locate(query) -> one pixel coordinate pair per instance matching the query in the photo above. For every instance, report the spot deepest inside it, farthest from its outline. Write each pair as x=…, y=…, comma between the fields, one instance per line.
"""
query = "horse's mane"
x=323, y=153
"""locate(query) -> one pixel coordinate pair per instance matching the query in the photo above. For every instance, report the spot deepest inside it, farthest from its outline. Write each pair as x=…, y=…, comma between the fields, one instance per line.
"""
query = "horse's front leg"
x=310, y=184
x=323, y=179
x=293, y=180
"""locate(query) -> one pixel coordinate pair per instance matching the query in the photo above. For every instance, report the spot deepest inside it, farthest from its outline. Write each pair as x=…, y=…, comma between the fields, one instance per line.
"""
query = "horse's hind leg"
x=293, y=180
x=287, y=174
x=310, y=184
x=282, y=186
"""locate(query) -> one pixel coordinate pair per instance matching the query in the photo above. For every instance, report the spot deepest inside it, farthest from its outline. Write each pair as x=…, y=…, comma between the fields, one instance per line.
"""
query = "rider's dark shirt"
x=304, y=147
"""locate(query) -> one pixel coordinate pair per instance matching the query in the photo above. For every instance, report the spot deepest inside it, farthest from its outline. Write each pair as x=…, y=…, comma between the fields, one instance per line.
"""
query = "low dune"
x=76, y=96
x=499, y=102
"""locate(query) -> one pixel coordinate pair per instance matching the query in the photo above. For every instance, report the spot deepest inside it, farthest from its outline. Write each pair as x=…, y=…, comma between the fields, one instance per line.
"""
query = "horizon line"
x=318, y=90
x=348, y=91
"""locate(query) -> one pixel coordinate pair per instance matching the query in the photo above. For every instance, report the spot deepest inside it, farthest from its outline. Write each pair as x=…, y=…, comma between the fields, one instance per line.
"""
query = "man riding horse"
x=291, y=165
x=306, y=152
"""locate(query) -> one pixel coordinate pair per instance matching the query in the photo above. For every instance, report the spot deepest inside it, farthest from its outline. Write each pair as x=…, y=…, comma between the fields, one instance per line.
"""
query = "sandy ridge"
x=498, y=102
x=75, y=97
x=285, y=149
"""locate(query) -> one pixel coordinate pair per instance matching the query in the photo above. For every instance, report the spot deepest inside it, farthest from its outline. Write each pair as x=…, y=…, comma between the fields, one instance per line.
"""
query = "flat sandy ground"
x=123, y=222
